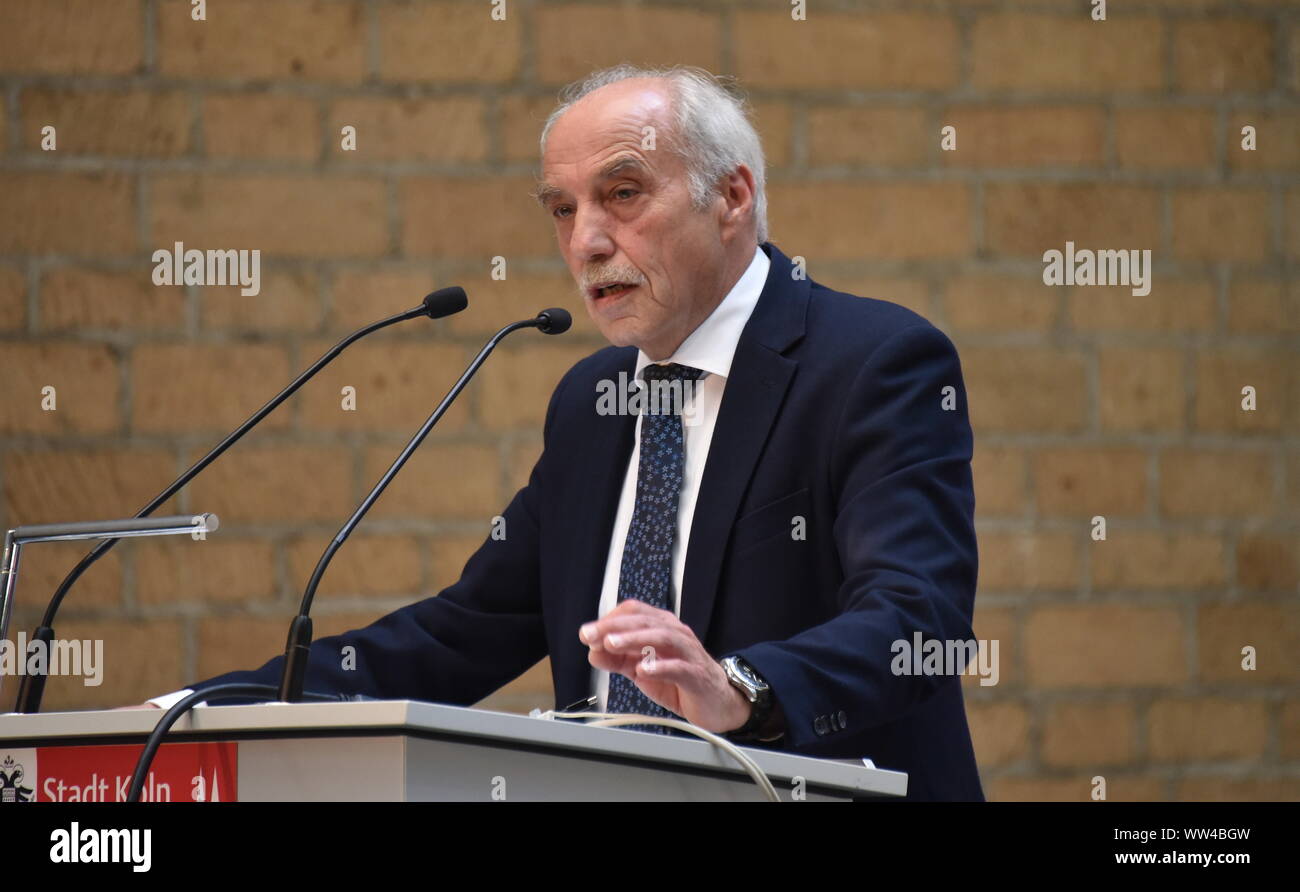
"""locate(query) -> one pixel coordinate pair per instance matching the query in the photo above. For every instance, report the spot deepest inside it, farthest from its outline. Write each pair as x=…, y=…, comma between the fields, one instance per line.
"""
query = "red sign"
x=181, y=772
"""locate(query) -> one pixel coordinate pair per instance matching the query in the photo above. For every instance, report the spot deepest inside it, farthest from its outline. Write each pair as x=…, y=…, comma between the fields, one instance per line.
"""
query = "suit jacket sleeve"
x=473, y=637
x=904, y=531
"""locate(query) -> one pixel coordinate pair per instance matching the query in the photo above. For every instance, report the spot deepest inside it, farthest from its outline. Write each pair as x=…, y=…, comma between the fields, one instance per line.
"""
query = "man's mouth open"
x=608, y=291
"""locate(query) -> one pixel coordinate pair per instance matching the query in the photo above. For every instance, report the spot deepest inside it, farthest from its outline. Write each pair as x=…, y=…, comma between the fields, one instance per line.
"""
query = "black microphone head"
x=446, y=302
x=554, y=321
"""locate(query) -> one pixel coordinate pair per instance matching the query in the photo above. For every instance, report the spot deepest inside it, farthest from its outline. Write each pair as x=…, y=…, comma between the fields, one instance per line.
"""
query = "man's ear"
x=737, y=191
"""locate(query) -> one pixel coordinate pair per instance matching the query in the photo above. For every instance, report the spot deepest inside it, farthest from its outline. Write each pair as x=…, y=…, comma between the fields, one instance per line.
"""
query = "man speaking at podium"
x=746, y=553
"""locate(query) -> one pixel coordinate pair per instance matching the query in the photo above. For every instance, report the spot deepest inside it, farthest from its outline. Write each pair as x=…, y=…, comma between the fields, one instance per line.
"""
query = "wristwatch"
x=756, y=691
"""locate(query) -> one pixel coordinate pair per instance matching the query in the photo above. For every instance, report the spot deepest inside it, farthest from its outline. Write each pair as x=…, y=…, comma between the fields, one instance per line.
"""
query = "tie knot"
x=671, y=372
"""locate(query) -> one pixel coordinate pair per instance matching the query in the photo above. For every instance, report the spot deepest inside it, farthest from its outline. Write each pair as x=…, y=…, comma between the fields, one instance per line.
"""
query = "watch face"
x=748, y=678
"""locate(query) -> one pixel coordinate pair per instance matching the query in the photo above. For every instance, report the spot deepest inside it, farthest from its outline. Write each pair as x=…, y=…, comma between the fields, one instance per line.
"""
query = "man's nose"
x=591, y=237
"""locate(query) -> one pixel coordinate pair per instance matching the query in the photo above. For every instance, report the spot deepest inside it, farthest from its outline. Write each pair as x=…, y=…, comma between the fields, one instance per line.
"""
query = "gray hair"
x=712, y=132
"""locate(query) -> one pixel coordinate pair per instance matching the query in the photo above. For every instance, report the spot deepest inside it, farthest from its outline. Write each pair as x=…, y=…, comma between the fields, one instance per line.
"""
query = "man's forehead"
x=605, y=132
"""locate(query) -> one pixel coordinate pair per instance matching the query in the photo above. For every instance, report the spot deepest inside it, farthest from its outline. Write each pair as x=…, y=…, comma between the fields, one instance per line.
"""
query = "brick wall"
x=1119, y=658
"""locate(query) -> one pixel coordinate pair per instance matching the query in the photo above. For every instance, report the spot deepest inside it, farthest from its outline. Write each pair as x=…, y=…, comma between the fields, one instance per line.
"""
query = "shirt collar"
x=713, y=343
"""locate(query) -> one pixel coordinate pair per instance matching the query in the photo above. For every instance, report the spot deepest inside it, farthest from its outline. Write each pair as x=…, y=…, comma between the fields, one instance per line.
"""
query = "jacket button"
x=844, y=720
x=820, y=726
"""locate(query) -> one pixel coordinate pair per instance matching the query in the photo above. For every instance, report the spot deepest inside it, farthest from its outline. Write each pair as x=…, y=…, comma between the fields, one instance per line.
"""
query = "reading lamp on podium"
x=15, y=539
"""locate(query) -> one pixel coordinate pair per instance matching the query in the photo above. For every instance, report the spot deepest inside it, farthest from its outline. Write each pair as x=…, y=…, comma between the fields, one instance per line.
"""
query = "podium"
x=400, y=750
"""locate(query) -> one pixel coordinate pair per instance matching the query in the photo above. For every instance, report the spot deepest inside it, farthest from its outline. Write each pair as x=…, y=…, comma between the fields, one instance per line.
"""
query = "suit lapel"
x=756, y=387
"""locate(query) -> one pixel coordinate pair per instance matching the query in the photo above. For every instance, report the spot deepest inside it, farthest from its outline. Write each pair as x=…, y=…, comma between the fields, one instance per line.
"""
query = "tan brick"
x=85, y=382
x=1290, y=736
x=216, y=569
x=1221, y=223
x=890, y=136
x=1089, y=735
x=1000, y=732
x=517, y=388
x=448, y=554
x=1119, y=788
x=58, y=486
x=1215, y=483
x=406, y=31
x=1144, y=559
x=1020, y=389
x=1104, y=646
x=200, y=387
x=1207, y=728
x=277, y=484
x=230, y=643
x=295, y=215
x=67, y=213
x=1273, y=630
x=999, y=474
x=1268, y=561
x=441, y=481
x=573, y=40
x=1222, y=55
x=993, y=303
x=1221, y=375
x=71, y=36
x=1277, y=140
x=774, y=122
x=854, y=221
x=1264, y=305
x=261, y=125
x=148, y=124
x=1027, y=219
x=44, y=566
x=1029, y=560
x=1291, y=225
x=473, y=218
x=998, y=624
x=369, y=565
x=1141, y=389
x=287, y=301
x=300, y=40
x=523, y=456
x=363, y=296
x=1050, y=52
x=1084, y=481
x=137, y=653
x=520, y=120
x=1151, y=138
x=1176, y=305
x=81, y=298
x=873, y=50
x=396, y=386
x=1234, y=789
x=13, y=298
x=1293, y=480
x=1026, y=136
x=445, y=130
x=497, y=302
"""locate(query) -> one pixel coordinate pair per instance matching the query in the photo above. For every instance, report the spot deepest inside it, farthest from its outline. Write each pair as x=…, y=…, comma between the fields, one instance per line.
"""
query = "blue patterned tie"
x=647, y=569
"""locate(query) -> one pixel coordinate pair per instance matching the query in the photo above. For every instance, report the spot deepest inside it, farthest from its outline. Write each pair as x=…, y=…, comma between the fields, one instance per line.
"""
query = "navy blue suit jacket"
x=833, y=412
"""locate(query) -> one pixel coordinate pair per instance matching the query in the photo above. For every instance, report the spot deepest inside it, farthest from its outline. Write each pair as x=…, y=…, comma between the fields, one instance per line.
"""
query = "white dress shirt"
x=709, y=348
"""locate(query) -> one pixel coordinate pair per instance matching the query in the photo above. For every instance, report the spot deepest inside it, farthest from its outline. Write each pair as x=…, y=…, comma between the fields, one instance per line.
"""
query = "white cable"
x=614, y=719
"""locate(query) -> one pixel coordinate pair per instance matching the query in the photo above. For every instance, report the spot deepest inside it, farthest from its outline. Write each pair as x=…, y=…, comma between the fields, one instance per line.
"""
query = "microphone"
x=298, y=646
x=443, y=302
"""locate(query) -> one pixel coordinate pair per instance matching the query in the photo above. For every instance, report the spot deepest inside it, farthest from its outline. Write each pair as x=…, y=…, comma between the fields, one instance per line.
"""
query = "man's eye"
x=556, y=212
x=623, y=189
